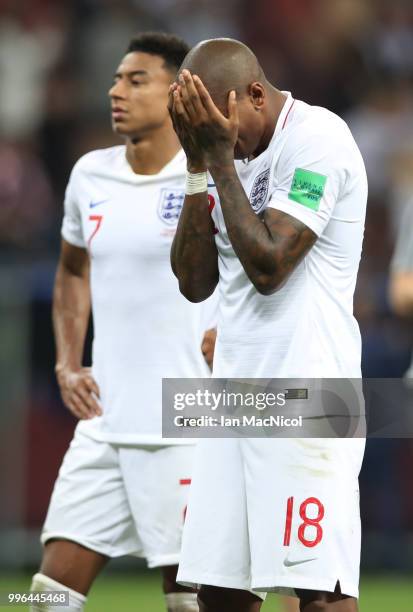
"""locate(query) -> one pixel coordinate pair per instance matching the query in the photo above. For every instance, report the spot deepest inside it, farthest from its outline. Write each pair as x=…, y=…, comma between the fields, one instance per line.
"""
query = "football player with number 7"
x=122, y=489
x=278, y=224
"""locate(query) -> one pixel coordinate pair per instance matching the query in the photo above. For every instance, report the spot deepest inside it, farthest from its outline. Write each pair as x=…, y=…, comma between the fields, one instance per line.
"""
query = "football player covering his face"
x=283, y=242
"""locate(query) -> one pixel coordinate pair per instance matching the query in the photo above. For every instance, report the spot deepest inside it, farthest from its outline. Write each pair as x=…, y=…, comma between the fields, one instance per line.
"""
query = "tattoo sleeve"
x=194, y=255
x=269, y=246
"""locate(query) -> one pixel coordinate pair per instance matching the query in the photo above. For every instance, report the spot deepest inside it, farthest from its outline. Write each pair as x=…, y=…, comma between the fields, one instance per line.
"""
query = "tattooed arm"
x=194, y=255
x=269, y=247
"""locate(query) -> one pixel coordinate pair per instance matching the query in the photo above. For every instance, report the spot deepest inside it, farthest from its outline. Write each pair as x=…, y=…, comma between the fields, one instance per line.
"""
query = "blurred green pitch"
x=116, y=592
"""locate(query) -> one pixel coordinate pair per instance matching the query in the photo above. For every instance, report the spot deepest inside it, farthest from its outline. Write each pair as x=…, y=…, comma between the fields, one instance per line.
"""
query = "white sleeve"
x=310, y=175
x=72, y=230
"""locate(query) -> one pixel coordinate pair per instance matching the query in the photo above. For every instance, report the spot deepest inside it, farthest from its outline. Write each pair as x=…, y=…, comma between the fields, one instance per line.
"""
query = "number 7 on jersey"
x=98, y=221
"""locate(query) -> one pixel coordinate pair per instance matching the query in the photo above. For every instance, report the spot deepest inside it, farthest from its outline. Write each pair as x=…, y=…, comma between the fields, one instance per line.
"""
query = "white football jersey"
x=144, y=329
x=312, y=170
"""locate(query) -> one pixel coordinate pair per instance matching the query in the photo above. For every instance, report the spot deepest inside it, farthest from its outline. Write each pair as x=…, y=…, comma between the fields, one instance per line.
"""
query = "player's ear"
x=256, y=93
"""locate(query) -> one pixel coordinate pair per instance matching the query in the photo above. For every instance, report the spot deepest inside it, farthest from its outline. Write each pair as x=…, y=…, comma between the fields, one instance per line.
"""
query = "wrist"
x=223, y=157
x=62, y=369
x=195, y=167
x=196, y=183
x=223, y=169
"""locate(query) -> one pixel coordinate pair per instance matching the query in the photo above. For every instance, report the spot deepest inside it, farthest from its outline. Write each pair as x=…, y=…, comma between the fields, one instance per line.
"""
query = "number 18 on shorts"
x=284, y=515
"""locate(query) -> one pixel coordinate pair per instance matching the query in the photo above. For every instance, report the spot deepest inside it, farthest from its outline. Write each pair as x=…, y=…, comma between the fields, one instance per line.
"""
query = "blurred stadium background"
x=56, y=62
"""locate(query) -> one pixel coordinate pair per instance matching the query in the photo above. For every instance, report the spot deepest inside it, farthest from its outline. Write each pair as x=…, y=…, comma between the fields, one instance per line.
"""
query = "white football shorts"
x=122, y=500
x=274, y=515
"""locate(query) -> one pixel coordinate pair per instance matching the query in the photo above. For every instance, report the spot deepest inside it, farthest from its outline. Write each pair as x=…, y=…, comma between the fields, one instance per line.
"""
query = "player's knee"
x=210, y=598
x=169, y=584
x=49, y=591
x=315, y=606
x=217, y=599
x=322, y=605
x=181, y=602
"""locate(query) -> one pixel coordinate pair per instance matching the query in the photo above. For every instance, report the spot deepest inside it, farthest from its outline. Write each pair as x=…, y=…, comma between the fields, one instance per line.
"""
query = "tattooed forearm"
x=194, y=256
x=269, y=246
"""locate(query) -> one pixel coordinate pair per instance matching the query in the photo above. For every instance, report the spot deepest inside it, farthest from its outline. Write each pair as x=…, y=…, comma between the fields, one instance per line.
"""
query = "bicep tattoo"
x=292, y=238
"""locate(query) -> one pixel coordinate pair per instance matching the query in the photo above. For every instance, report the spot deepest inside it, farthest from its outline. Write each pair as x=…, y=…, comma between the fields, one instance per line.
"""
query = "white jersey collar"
x=284, y=114
x=280, y=125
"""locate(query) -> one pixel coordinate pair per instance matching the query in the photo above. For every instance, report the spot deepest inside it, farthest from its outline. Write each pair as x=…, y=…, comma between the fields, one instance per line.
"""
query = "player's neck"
x=277, y=101
x=148, y=155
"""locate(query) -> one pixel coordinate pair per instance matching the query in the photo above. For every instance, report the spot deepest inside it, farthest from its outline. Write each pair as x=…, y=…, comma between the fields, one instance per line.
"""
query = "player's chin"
x=120, y=127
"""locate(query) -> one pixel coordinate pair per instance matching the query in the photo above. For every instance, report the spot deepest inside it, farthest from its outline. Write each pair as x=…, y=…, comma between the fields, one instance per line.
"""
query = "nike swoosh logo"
x=211, y=184
x=288, y=563
x=93, y=204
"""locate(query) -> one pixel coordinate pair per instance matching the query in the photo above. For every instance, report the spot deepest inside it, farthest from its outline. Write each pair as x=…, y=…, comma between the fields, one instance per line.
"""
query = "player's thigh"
x=303, y=512
x=169, y=581
x=89, y=505
x=213, y=599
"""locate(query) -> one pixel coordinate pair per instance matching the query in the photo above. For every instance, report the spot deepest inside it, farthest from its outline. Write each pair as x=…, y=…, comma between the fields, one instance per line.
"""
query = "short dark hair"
x=168, y=46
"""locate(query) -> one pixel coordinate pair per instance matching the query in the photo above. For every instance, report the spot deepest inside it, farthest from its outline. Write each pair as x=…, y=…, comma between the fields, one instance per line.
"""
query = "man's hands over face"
x=79, y=392
x=207, y=136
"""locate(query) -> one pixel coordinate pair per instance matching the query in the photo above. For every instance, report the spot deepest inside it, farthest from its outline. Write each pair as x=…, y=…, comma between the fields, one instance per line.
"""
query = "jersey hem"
x=284, y=584
x=299, y=582
x=132, y=440
x=230, y=582
x=163, y=560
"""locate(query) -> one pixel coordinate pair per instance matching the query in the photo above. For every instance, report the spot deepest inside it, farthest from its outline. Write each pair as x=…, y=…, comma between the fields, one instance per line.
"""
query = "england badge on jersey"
x=259, y=190
x=170, y=205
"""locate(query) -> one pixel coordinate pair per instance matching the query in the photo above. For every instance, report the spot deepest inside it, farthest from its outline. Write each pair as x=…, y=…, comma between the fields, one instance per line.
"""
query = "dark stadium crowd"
x=56, y=66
